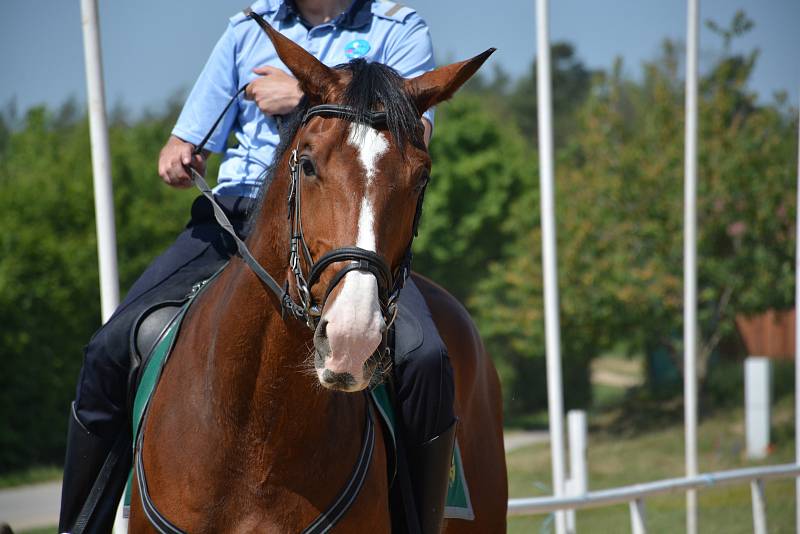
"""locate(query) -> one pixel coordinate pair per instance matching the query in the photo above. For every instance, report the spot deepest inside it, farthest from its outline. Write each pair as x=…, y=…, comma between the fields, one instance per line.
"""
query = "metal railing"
x=635, y=494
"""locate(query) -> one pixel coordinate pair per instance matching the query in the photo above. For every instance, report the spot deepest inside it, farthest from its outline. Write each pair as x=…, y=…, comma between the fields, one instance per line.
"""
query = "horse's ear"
x=315, y=78
x=438, y=85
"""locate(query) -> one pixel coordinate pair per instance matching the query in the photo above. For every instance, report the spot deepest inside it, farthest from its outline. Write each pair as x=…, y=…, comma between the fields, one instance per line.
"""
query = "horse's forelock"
x=372, y=87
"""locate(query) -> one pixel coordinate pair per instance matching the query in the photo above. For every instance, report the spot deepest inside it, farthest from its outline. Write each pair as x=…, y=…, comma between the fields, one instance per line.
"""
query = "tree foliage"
x=619, y=205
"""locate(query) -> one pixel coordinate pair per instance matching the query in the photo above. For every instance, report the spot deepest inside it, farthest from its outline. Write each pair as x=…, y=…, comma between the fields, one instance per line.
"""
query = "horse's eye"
x=422, y=182
x=308, y=167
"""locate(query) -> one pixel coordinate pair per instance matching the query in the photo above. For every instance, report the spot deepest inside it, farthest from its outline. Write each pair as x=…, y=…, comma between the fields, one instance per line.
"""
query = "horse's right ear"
x=314, y=77
x=438, y=85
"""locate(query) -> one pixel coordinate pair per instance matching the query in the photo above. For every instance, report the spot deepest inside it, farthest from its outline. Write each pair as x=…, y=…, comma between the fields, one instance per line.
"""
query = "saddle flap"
x=152, y=325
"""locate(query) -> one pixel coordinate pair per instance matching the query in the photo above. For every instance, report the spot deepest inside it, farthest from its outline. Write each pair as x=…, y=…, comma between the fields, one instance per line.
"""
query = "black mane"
x=373, y=87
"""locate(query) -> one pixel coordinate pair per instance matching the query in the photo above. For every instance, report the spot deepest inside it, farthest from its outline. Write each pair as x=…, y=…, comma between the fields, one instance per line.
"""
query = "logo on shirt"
x=356, y=49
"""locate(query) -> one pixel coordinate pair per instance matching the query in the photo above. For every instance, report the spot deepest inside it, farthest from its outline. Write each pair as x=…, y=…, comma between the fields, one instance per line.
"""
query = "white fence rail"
x=634, y=495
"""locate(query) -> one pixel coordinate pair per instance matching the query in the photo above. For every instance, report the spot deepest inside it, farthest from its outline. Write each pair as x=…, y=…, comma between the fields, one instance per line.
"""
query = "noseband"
x=360, y=260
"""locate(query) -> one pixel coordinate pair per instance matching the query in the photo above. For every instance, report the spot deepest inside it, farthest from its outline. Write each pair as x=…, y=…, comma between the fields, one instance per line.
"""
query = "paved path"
x=34, y=506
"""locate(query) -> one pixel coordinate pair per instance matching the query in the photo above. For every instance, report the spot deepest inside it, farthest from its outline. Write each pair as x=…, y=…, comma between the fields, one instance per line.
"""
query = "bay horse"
x=241, y=435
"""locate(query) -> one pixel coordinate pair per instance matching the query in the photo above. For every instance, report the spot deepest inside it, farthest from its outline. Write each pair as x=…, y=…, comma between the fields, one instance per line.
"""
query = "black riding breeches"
x=424, y=375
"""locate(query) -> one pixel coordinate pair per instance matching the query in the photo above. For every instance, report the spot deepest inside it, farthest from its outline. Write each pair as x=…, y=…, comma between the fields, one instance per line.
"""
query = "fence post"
x=759, y=505
x=757, y=400
x=637, y=516
x=577, y=484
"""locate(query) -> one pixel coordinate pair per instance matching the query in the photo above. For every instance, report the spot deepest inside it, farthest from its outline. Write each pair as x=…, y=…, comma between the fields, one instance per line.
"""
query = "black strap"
x=159, y=522
x=119, y=448
x=373, y=263
x=328, y=519
x=244, y=252
x=199, y=148
x=372, y=118
x=321, y=525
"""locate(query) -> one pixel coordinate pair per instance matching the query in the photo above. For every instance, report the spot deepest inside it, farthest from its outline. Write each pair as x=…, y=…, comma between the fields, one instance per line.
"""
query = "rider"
x=335, y=31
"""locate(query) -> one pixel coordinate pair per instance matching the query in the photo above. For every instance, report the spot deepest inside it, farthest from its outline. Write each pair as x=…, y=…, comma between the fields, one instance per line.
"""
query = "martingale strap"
x=321, y=525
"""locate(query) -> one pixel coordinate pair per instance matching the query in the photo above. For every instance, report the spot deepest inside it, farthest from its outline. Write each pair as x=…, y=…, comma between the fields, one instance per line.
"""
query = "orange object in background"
x=769, y=334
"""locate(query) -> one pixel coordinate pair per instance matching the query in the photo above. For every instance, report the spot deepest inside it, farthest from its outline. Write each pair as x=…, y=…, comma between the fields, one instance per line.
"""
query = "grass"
x=31, y=475
x=42, y=530
x=616, y=460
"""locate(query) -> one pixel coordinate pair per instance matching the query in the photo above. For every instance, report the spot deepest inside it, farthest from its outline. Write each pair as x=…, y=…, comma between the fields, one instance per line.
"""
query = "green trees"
x=49, y=296
x=620, y=220
x=619, y=214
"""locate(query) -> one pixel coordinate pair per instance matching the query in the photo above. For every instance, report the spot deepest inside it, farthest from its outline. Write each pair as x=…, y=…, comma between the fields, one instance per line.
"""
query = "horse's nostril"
x=322, y=329
x=340, y=380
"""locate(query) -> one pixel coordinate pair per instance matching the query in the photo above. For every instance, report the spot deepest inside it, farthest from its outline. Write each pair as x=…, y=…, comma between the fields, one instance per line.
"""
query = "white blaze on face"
x=355, y=321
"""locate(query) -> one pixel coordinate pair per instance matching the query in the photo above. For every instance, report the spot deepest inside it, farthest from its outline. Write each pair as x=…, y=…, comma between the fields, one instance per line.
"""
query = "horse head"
x=360, y=165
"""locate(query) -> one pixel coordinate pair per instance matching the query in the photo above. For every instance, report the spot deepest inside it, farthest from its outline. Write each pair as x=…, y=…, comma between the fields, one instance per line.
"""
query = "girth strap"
x=321, y=525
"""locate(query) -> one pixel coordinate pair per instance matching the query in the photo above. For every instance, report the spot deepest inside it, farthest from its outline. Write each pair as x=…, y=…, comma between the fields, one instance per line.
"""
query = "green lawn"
x=619, y=460
x=32, y=475
x=45, y=530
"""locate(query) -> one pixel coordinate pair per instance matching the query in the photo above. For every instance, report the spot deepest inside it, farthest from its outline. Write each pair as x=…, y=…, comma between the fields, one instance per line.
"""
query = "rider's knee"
x=427, y=391
x=101, y=393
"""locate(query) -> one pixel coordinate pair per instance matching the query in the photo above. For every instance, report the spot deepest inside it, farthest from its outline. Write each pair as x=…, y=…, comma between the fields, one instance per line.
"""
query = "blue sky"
x=153, y=49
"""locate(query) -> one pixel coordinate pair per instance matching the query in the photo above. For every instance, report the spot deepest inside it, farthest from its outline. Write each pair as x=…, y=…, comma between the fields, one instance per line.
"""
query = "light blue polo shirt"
x=380, y=31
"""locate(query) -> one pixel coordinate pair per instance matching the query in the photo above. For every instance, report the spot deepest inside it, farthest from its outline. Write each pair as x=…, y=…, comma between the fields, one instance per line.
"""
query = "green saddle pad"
x=458, y=504
x=147, y=383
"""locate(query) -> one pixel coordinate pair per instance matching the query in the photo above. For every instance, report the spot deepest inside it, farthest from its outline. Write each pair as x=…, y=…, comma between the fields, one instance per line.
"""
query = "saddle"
x=156, y=330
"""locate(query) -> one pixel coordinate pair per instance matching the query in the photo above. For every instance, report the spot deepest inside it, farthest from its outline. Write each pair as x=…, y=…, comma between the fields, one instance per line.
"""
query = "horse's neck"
x=265, y=394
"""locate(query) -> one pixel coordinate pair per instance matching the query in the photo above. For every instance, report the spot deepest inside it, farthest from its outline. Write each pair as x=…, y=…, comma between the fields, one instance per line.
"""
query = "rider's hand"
x=174, y=160
x=274, y=91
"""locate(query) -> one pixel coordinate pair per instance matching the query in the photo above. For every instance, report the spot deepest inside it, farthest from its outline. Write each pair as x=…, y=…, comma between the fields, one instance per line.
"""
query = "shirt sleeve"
x=411, y=53
x=211, y=93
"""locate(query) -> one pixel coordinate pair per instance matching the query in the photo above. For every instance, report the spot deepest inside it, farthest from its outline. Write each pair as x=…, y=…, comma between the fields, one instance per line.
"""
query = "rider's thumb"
x=264, y=69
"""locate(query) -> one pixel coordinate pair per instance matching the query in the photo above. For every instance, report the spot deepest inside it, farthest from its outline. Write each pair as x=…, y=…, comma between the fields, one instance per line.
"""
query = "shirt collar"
x=357, y=15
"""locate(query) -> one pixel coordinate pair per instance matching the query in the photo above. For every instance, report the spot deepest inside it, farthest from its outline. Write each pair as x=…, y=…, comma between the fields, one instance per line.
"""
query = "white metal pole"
x=690, y=264
x=638, y=522
x=797, y=338
x=577, y=483
x=555, y=403
x=101, y=161
x=759, y=506
x=101, y=171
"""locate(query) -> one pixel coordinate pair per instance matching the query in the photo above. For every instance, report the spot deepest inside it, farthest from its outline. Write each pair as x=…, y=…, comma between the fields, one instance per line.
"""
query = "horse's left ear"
x=315, y=78
x=438, y=85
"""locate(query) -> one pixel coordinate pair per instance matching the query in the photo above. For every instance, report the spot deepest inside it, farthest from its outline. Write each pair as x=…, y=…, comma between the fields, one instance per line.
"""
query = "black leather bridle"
x=390, y=283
